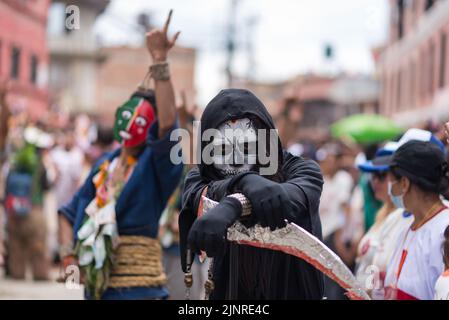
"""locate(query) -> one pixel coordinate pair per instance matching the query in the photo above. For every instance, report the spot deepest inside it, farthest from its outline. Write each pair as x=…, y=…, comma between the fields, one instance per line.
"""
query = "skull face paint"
x=132, y=122
x=235, y=147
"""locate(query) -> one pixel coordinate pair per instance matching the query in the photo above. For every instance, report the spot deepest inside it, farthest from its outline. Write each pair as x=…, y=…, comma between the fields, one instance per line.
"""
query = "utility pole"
x=231, y=43
x=251, y=23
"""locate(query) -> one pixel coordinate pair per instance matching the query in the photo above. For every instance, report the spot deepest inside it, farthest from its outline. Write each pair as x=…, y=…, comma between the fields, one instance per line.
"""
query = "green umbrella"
x=365, y=128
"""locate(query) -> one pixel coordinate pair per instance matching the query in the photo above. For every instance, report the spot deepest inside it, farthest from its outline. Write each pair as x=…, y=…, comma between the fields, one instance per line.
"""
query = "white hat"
x=38, y=138
x=416, y=134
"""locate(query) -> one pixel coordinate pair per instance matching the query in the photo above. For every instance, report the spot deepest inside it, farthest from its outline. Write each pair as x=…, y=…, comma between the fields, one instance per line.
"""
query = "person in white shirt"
x=336, y=192
x=68, y=159
x=375, y=248
x=418, y=174
x=334, y=207
x=442, y=285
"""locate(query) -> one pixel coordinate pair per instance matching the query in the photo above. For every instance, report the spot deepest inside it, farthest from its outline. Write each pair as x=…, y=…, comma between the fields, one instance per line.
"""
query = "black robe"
x=263, y=273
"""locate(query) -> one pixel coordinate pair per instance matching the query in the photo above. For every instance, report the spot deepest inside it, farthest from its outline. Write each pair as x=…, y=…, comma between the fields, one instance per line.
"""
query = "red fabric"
x=397, y=294
x=401, y=295
x=401, y=263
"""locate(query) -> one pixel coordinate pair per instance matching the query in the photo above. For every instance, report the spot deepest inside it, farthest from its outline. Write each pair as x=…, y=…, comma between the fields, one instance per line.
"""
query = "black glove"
x=269, y=200
x=208, y=233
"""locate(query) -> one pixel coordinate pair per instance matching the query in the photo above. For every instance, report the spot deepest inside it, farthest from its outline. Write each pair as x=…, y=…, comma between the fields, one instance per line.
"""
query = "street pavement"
x=29, y=290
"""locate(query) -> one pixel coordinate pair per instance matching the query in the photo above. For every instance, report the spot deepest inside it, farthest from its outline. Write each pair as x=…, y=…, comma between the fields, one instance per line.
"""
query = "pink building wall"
x=413, y=68
x=23, y=25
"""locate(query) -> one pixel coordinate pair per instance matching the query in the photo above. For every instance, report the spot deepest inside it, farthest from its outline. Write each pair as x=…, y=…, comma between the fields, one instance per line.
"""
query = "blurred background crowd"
x=60, y=87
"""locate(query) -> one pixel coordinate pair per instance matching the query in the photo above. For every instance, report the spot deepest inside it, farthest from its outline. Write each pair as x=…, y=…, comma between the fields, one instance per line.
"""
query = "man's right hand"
x=208, y=233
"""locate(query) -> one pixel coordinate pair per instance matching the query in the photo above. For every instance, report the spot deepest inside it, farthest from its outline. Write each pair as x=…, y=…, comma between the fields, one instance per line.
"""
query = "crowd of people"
x=385, y=214
x=42, y=165
x=111, y=201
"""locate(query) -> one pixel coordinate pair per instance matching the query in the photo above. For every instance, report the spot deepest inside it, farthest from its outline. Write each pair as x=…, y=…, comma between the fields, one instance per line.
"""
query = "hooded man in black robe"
x=290, y=193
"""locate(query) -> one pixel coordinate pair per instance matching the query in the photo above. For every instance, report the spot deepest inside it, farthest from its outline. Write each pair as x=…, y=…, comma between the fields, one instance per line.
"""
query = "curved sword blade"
x=298, y=242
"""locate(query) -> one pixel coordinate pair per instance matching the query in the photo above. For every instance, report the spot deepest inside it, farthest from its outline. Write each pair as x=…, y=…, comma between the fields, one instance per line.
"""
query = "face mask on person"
x=132, y=122
x=235, y=149
x=398, y=201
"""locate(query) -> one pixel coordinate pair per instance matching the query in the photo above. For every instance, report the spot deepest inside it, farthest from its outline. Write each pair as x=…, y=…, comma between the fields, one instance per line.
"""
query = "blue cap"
x=383, y=157
x=381, y=161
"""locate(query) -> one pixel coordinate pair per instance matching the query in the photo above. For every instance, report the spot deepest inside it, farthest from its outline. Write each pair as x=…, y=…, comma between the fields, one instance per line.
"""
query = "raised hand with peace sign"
x=158, y=43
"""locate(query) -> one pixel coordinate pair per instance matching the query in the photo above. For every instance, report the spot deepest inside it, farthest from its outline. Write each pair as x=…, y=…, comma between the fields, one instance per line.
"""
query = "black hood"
x=232, y=104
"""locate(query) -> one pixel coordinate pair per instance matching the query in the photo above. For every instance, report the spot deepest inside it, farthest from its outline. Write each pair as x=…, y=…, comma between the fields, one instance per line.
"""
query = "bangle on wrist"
x=160, y=71
x=246, y=205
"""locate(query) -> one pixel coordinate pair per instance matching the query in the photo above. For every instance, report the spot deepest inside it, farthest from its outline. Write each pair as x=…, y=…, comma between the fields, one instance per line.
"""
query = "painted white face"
x=235, y=147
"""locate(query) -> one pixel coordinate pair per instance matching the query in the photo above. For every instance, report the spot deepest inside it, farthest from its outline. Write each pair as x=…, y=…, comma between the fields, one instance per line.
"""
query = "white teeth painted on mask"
x=125, y=135
x=231, y=172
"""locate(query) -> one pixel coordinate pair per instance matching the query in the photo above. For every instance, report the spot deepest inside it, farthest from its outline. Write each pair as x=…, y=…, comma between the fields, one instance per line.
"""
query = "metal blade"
x=296, y=241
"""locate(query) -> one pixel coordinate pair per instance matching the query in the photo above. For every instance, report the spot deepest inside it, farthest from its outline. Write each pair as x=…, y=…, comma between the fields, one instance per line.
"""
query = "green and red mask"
x=132, y=121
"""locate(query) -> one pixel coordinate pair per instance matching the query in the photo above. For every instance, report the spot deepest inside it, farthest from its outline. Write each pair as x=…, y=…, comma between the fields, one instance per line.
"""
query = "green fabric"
x=370, y=204
x=365, y=128
x=28, y=160
x=37, y=195
x=25, y=159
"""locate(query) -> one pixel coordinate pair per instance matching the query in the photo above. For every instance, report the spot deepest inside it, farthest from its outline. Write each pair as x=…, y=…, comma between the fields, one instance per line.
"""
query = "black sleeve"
x=304, y=183
x=191, y=196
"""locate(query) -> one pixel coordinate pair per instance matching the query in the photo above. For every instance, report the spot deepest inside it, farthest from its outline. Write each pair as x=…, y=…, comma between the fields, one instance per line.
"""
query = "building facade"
x=413, y=66
x=24, y=57
x=306, y=106
x=75, y=55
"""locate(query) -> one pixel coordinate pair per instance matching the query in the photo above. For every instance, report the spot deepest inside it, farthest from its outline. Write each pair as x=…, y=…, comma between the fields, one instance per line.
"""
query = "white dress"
x=421, y=253
x=336, y=192
x=376, y=249
x=442, y=287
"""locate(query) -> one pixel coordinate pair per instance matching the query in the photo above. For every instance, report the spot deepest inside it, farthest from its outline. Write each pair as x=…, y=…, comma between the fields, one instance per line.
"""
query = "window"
x=423, y=74
x=400, y=19
x=429, y=4
x=413, y=88
x=442, y=68
x=431, y=70
x=15, y=63
x=33, y=70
